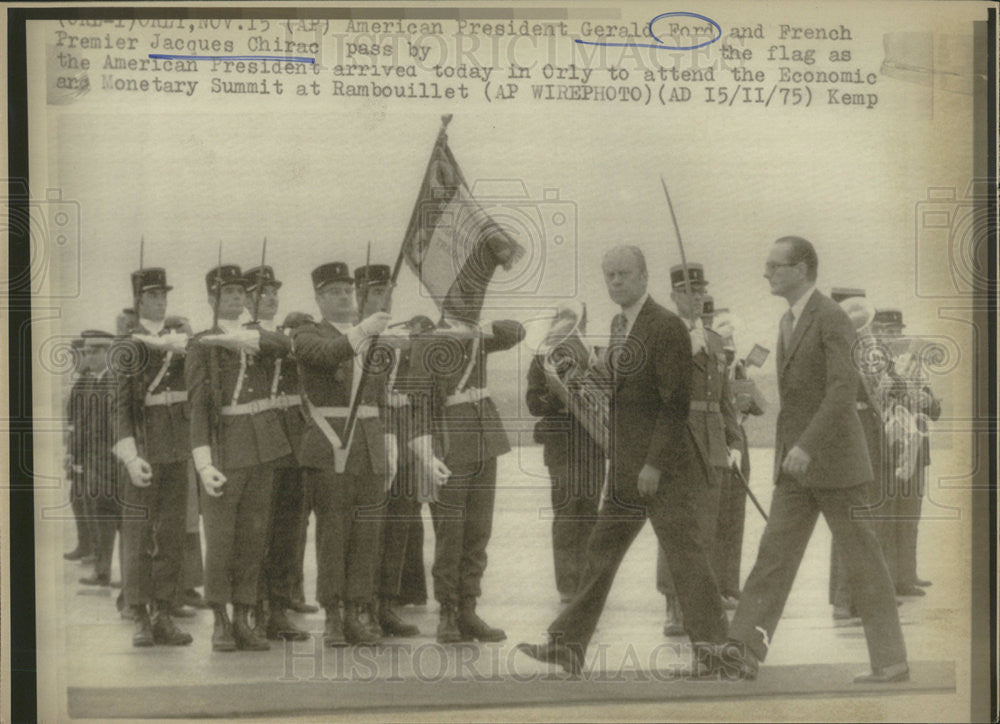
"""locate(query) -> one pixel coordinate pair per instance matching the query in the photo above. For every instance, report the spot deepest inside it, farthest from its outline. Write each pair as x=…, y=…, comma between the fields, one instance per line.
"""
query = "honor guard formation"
x=208, y=452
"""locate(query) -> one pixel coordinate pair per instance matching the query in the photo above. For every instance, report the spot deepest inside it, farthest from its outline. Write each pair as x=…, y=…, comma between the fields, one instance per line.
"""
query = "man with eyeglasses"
x=821, y=466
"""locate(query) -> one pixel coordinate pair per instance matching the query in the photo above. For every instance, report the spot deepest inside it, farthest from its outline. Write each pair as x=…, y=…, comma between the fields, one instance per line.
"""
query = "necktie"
x=619, y=328
x=787, y=328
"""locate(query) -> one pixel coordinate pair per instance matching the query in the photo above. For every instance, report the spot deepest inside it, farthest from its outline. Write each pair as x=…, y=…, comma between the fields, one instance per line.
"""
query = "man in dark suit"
x=821, y=466
x=652, y=455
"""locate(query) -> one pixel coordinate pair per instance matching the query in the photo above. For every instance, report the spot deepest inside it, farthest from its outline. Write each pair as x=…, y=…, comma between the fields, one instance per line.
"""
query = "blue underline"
x=288, y=58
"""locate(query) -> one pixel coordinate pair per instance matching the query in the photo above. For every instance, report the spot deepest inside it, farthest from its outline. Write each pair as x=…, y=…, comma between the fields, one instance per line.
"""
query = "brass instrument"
x=574, y=374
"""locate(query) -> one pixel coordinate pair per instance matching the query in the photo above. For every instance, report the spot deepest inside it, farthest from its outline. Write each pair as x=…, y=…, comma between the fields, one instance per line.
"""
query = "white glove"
x=391, y=458
x=242, y=339
x=697, y=339
x=735, y=458
x=171, y=342
x=437, y=471
x=372, y=325
x=139, y=471
x=211, y=479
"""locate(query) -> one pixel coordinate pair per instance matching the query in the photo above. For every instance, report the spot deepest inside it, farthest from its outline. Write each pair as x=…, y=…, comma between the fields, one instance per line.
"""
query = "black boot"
x=246, y=638
x=165, y=631
x=333, y=631
x=222, y=632
x=279, y=627
x=143, y=635
x=260, y=613
x=391, y=623
x=473, y=627
x=447, y=630
x=358, y=625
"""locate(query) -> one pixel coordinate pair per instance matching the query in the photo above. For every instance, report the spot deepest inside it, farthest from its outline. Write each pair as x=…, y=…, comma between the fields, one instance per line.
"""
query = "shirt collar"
x=632, y=311
x=341, y=327
x=268, y=325
x=800, y=305
x=229, y=325
x=154, y=327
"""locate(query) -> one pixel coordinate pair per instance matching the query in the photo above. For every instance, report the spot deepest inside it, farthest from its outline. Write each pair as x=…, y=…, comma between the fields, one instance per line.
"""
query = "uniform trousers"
x=302, y=534
x=402, y=534
x=86, y=534
x=105, y=503
x=576, y=493
x=193, y=569
x=153, y=534
x=671, y=511
x=794, y=511
x=347, y=530
x=899, y=532
x=235, y=535
x=706, y=495
x=463, y=524
x=278, y=577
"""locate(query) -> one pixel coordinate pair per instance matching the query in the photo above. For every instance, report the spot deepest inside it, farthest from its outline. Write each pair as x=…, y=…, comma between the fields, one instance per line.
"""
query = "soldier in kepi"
x=711, y=421
x=348, y=473
x=278, y=574
x=469, y=436
x=236, y=436
x=153, y=443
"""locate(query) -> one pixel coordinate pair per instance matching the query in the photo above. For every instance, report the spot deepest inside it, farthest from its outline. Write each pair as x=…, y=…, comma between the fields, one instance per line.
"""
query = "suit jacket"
x=818, y=388
x=247, y=439
x=649, y=404
x=715, y=431
x=326, y=370
x=468, y=432
x=162, y=432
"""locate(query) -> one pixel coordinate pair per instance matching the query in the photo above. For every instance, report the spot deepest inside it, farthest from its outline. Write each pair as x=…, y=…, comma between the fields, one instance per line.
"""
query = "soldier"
x=711, y=421
x=470, y=437
x=401, y=524
x=100, y=469
x=574, y=459
x=235, y=438
x=86, y=537
x=153, y=445
x=747, y=400
x=278, y=574
x=346, y=541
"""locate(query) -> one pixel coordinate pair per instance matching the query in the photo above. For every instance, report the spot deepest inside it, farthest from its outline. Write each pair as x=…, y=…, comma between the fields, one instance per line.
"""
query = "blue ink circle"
x=682, y=13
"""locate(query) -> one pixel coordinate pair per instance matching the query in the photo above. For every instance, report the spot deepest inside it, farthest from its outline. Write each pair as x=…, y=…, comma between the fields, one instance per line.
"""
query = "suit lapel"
x=800, y=329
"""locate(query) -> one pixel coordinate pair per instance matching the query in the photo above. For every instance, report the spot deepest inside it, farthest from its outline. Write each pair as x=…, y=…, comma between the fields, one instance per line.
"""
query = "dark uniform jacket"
x=253, y=435
x=151, y=403
x=712, y=416
x=327, y=368
x=285, y=395
x=467, y=427
x=100, y=466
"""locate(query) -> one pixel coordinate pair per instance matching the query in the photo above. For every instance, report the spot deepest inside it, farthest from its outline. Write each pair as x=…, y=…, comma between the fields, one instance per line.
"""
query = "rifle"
x=352, y=414
x=137, y=292
x=260, y=283
x=215, y=422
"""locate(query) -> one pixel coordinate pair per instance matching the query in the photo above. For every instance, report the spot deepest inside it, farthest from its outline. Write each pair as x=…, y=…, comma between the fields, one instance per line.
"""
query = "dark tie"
x=787, y=328
x=619, y=328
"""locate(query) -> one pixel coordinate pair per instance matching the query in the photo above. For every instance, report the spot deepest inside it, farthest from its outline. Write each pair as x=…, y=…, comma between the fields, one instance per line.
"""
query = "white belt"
x=168, y=397
x=363, y=411
x=469, y=394
x=397, y=399
x=248, y=408
x=283, y=401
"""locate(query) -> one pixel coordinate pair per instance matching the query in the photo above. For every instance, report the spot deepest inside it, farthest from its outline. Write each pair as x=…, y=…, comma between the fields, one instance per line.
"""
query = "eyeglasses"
x=771, y=265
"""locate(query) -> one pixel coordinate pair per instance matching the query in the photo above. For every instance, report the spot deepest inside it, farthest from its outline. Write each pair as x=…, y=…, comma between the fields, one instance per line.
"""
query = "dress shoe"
x=95, y=580
x=179, y=610
x=674, y=623
x=470, y=626
x=246, y=637
x=553, y=653
x=76, y=554
x=279, y=627
x=887, y=675
x=737, y=661
x=259, y=616
x=303, y=607
x=333, y=631
x=359, y=627
x=447, y=630
x=392, y=624
x=842, y=613
x=165, y=631
x=143, y=635
x=923, y=583
x=222, y=631
x=910, y=591
x=88, y=559
x=192, y=598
